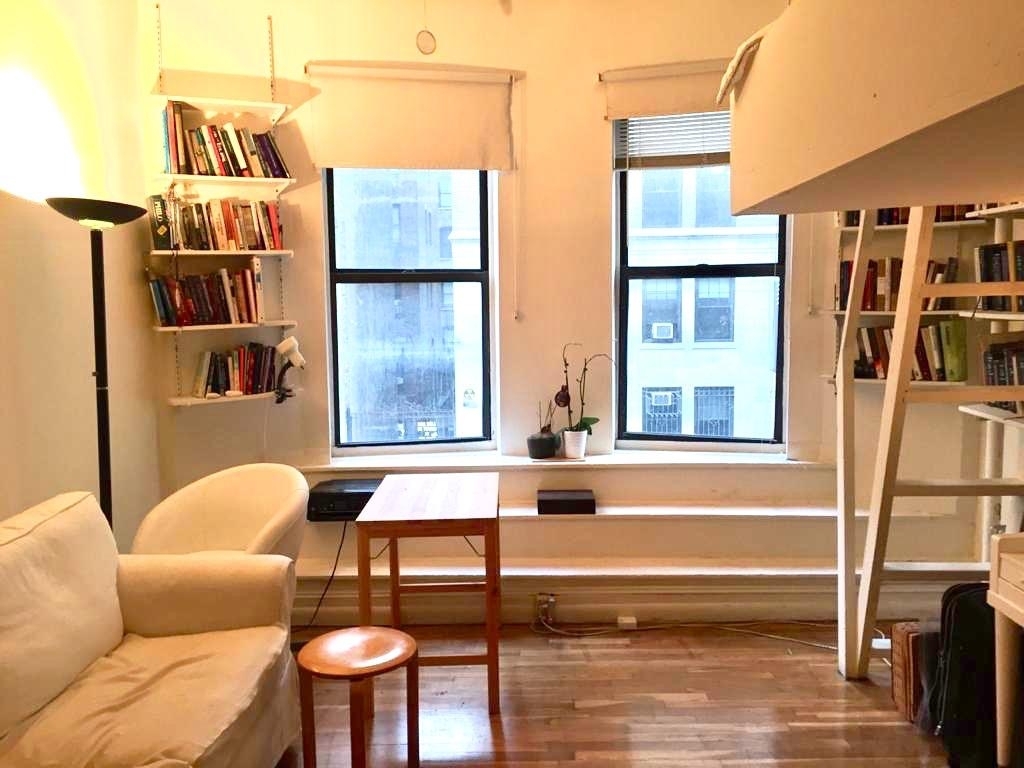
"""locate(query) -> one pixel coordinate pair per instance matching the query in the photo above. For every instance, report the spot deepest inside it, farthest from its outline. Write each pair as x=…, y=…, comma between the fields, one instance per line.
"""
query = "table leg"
x=365, y=596
x=363, y=570
x=1007, y=672
x=412, y=709
x=308, y=719
x=492, y=569
x=396, y=597
x=357, y=724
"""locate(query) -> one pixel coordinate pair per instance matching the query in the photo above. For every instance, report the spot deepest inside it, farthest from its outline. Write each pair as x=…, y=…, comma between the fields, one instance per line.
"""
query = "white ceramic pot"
x=575, y=444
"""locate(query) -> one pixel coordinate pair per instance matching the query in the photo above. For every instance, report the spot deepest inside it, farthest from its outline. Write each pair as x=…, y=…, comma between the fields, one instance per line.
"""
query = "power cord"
x=330, y=579
x=739, y=627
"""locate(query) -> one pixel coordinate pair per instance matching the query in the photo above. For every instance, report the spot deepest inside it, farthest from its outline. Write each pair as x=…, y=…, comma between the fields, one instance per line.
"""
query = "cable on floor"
x=739, y=628
x=476, y=552
x=330, y=579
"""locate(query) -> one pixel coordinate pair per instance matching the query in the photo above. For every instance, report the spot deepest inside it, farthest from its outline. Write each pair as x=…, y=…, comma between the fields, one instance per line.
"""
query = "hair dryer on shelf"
x=289, y=350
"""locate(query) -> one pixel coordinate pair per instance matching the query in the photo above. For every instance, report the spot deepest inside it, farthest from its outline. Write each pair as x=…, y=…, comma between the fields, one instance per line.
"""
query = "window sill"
x=481, y=461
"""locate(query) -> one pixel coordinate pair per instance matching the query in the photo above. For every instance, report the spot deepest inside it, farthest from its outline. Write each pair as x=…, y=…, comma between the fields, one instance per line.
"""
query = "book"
x=953, y=335
x=228, y=295
x=252, y=155
x=179, y=140
x=237, y=154
x=159, y=224
x=199, y=382
x=257, y=283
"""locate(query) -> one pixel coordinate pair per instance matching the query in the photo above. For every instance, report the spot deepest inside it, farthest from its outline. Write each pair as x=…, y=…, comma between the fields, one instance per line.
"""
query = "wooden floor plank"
x=679, y=698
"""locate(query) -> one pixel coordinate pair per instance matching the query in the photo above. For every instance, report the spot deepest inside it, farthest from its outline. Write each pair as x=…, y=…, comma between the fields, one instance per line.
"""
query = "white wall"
x=79, y=58
x=564, y=218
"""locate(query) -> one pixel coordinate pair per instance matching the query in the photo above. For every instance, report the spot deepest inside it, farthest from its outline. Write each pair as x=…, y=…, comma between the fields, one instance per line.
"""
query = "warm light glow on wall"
x=37, y=152
x=51, y=53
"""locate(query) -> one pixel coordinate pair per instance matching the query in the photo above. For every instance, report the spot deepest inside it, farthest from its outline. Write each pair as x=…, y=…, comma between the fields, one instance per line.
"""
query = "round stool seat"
x=357, y=652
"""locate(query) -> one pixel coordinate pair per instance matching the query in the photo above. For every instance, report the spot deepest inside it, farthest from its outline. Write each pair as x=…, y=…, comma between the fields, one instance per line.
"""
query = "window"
x=663, y=410
x=713, y=308
x=712, y=411
x=711, y=285
x=662, y=199
x=662, y=310
x=409, y=282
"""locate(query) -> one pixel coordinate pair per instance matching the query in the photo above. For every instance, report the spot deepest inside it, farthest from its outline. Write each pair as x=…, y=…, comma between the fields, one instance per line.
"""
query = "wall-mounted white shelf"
x=990, y=315
x=982, y=411
x=243, y=187
x=889, y=313
x=881, y=382
x=1011, y=209
x=224, y=326
x=193, y=253
x=958, y=224
x=271, y=111
x=188, y=402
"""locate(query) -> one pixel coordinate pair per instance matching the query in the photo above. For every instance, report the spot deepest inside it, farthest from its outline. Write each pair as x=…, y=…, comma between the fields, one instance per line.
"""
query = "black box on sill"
x=338, y=500
x=566, y=502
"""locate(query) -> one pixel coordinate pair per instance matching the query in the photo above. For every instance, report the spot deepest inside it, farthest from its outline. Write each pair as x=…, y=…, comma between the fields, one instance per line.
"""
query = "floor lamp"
x=98, y=215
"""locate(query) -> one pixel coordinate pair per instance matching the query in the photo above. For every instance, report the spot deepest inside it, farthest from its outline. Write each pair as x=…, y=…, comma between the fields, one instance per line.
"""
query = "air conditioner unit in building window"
x=663, y=330
x=663, y=399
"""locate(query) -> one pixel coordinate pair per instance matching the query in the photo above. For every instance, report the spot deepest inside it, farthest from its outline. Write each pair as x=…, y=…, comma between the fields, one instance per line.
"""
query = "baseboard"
x=714, y=597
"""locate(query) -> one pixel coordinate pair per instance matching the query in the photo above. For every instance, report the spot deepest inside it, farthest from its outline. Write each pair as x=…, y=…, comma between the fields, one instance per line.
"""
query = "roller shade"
x=672, y=141
x=664, y=89
x=385, y=115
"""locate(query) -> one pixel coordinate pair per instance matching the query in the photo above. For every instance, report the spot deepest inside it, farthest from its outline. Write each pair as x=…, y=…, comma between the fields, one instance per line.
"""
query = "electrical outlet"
x=545, y=607
x=627, y=621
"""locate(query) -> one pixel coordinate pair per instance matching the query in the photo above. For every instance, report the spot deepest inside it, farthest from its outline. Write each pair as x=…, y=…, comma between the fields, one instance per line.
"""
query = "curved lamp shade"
x=95, y=214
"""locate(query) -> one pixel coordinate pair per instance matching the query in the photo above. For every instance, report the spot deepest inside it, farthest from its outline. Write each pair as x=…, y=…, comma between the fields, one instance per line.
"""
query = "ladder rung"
x=1004, y=288
x=444, y=586
x=997, y=486
x=958, y=393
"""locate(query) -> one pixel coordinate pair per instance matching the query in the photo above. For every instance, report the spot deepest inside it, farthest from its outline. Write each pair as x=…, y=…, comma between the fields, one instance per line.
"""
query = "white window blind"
x=672, y=140
x=664, y=89
x=386, y=115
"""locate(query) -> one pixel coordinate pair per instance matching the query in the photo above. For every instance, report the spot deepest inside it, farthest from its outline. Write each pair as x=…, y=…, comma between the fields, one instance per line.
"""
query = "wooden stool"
x=358, y=654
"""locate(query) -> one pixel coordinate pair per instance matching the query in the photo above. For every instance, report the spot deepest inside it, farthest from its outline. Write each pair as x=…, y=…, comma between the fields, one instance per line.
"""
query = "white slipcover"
x=254, y=508
x=203, y=677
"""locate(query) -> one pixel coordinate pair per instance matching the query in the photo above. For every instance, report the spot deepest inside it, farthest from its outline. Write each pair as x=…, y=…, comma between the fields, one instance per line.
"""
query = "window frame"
x=350, y=276
x=627, y=273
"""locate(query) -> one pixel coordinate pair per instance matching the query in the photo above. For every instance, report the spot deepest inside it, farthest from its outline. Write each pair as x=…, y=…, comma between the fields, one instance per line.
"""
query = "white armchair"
x=253, y=508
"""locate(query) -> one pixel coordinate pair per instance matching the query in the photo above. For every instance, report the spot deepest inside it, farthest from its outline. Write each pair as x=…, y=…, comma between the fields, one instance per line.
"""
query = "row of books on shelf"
x=216, y=225
x=940, y=352
x=1003, y=363
x=217, y=298
x=882, y=283
x=218, y=150
x=245, y=370
x=889, y=216
x=999, y=262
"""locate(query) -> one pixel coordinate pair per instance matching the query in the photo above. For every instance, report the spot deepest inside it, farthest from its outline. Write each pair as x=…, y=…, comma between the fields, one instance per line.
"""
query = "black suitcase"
x=962, y=701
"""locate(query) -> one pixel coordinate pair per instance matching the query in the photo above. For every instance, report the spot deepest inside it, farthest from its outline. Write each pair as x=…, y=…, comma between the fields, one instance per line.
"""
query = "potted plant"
x=543, y=444
x=574, y=435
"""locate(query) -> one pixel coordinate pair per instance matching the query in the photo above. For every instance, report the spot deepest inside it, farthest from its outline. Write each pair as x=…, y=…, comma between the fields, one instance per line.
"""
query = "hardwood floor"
x=675, y=698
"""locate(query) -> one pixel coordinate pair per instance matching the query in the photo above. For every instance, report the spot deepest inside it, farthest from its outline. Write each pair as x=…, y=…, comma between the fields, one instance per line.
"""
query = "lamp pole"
x=99, y=335
x=98, y=215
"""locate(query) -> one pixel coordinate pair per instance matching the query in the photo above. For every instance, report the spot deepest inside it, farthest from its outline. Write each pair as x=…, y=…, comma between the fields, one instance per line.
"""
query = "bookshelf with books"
x=218, y=257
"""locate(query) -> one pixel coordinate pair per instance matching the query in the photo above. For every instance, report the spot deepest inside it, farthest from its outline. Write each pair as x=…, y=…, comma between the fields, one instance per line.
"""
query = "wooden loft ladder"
x=857, y=608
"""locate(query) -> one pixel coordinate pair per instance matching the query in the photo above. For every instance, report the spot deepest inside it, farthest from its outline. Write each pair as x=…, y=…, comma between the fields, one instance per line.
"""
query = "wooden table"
x=429, y=505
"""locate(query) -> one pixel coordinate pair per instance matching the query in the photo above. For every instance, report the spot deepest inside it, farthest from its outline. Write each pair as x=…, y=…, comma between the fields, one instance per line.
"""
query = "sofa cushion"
x=59, y=609
x=185, y=700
